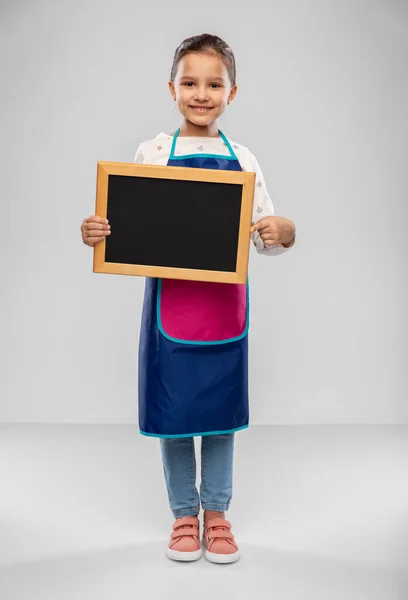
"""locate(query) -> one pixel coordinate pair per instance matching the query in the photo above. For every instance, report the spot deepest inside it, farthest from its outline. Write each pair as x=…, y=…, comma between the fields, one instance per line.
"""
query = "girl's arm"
x=263, y=207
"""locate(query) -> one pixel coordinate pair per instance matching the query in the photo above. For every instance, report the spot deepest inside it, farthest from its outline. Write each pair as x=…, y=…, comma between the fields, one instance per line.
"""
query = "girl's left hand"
x=275, y=230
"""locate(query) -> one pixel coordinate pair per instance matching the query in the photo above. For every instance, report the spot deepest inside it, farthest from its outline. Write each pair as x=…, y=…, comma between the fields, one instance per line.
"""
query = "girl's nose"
x=201, y=94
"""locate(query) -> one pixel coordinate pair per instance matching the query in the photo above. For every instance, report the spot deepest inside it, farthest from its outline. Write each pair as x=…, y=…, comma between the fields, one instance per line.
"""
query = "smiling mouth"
x=201, y=109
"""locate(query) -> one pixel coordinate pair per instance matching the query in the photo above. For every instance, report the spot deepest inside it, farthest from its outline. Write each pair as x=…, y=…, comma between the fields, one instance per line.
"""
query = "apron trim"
x=194, y=342
x=202, y=434
x=183, y=156
x=203, y=156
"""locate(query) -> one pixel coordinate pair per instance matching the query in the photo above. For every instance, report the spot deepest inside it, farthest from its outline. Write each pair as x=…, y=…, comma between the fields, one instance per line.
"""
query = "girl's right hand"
x=94, y=229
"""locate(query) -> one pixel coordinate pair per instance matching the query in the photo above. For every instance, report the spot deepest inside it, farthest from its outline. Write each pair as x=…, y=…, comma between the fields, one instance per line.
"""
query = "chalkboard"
x=174, y=222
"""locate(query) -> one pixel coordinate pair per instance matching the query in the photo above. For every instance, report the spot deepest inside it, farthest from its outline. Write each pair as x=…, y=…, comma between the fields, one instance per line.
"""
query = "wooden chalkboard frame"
x=244, y=178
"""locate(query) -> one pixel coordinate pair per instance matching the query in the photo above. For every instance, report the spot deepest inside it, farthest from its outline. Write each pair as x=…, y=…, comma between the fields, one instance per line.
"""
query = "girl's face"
x=202, y=88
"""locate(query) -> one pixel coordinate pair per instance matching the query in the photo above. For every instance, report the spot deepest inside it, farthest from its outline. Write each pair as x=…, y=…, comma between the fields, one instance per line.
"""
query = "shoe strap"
x=217, y=522
x=186, y=521
x=185, y=533
x=219, y=534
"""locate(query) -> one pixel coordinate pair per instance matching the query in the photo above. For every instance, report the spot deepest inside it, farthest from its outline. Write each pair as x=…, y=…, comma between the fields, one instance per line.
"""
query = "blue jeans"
x=179, y=464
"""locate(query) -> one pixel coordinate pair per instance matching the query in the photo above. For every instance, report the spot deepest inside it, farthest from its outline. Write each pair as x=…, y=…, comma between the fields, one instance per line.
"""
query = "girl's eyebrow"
x=186, y=77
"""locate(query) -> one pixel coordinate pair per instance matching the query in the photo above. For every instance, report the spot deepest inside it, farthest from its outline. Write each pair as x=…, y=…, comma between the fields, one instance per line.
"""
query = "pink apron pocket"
x=202, y=312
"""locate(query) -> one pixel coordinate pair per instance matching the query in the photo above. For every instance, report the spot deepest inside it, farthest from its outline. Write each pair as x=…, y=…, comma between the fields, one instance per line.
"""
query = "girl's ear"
x=172, y=90
x=232, y=94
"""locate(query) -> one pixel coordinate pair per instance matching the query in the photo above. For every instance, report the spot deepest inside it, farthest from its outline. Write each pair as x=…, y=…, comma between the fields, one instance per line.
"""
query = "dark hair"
x=205, y=44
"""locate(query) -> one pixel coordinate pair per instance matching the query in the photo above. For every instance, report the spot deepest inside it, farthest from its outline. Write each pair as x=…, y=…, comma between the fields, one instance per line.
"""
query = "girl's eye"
x=191, y=83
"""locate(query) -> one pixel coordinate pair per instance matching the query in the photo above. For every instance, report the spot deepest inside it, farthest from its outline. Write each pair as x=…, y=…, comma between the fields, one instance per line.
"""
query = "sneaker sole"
x=222, y=559
x=183, y=556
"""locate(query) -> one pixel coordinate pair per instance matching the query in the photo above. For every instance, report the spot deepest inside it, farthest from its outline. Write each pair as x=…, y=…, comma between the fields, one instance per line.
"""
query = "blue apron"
x=193, y=387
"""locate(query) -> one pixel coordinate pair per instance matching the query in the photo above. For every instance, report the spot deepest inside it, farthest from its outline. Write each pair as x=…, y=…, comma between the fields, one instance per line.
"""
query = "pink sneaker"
x=185, y=540
x=219, y=541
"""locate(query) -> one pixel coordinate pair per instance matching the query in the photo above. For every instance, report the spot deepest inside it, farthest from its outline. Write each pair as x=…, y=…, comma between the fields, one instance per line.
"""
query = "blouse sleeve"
x=263, y=207
x=139, y=158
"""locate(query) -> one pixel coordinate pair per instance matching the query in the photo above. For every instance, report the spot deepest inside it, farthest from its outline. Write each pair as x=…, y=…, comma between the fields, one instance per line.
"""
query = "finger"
x=261, y=229
x=96, y=219
x=267, y=228
x=95, y=233
x=91, y=226
x=262, y=224
x=268, y=236
x=271, y=242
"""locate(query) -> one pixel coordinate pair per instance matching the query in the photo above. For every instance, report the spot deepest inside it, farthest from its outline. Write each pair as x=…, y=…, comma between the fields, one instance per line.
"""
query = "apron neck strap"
x=173, y=146
x=223, y=137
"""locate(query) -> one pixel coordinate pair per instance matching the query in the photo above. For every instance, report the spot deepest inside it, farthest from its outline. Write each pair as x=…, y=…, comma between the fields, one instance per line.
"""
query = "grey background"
x=322, y=104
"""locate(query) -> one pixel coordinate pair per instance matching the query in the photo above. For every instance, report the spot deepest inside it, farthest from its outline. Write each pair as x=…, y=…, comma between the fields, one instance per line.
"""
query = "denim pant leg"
x=217, y=454
x=179, y=465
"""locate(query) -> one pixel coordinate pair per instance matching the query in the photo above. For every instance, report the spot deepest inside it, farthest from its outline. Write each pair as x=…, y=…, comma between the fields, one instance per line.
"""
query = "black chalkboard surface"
x=174, y=222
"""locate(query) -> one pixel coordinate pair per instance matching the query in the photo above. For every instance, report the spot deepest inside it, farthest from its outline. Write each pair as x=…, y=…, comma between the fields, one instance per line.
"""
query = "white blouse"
x=157, y=152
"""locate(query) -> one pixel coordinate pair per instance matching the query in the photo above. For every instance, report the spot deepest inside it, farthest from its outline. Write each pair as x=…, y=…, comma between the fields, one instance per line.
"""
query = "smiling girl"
x=193, y=349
